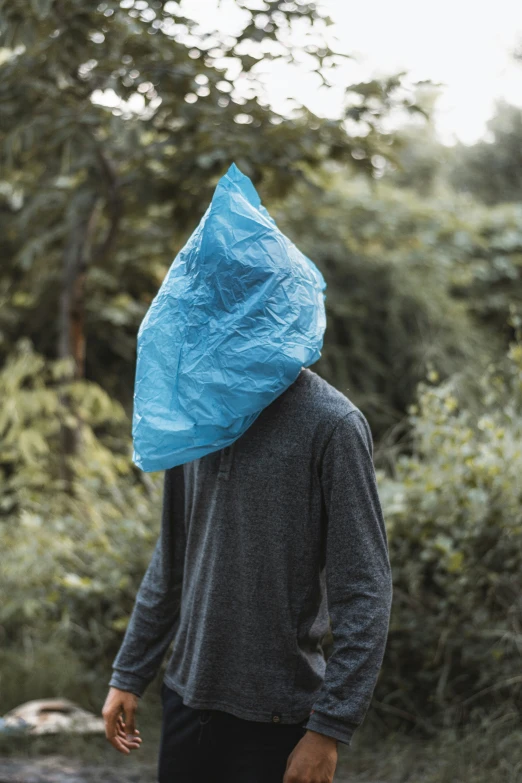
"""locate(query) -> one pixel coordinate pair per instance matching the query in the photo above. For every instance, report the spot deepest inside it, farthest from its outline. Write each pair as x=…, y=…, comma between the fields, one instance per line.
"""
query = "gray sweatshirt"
x=262, y=545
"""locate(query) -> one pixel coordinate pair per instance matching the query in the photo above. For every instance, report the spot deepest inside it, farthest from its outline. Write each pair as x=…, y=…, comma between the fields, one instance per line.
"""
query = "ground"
x=489, y=752
x=59, y=769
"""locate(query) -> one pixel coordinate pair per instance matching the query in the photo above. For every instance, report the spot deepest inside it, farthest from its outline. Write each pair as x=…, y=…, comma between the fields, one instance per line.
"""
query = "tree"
x=117, y=119
x=492, y=169
x=392, y=261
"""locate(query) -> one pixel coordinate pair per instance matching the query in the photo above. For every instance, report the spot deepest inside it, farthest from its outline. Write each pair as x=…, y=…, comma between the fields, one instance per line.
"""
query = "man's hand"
x=313, y=760
x=119, y=713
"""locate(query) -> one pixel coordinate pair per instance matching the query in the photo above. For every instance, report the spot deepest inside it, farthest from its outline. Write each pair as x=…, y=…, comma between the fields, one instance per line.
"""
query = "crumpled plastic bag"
x=238, y=314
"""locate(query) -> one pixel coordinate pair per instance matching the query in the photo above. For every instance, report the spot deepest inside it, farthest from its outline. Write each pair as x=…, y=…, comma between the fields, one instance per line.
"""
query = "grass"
x=491, y=753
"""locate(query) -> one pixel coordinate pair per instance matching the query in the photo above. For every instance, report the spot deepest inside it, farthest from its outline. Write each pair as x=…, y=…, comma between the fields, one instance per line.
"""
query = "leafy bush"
x=72, y=552
x=391, y=261
x=453, y=509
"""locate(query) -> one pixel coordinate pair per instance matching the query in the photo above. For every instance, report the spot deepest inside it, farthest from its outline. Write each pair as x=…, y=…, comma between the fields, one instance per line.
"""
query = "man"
x=262, y=544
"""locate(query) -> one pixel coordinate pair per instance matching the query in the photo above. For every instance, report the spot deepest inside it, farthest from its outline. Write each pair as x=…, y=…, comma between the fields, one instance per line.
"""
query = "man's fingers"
x=117, y=736
x=121, y=724
x=114, y=737
x=111, y=718
x=123, y=744
x=129, y=743
x=135, y=740
x=128, y=738
x=119, y=744
x=130, y=721
x=119, y=717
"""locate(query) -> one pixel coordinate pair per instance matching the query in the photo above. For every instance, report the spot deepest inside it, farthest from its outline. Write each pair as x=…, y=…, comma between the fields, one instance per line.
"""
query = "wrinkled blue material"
x=238, y=314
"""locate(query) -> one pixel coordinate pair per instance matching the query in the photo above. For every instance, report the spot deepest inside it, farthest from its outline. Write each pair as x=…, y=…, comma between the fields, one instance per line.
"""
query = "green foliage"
x=485, y=244
x=71, y=555
x=391, y=261
x=40, y=668
x=487, y=277
x=116, y=120
x=488, y=170
x=422, y=162
x=491, y=170
x=453, y=514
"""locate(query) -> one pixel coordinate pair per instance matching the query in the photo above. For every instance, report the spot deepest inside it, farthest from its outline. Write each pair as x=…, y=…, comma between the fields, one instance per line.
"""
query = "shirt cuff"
x=126, y=681
x=331, y=727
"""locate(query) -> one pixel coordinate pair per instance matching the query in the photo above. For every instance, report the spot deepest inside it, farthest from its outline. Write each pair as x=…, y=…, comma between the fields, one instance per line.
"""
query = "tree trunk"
x=72, y=326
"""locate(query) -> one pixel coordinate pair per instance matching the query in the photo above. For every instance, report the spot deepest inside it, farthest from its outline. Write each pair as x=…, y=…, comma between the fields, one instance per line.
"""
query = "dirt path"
x=59, y=769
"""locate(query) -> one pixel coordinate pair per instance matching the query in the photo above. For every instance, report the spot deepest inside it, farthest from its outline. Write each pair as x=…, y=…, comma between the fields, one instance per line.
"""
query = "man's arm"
x=358, y=580
x=155, y=614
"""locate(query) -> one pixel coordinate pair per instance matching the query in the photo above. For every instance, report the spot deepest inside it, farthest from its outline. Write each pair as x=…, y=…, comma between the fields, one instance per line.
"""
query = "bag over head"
x=239, y=313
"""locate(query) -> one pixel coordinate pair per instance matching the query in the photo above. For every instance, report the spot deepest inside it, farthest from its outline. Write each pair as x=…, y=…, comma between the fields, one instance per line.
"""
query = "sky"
x=464, y=44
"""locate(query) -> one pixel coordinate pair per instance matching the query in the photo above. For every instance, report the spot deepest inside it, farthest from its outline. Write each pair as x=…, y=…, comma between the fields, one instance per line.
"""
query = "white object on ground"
x=52, y=716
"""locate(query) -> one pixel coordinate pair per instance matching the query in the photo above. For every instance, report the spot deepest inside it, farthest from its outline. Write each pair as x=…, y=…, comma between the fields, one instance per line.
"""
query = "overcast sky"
x=466, y=44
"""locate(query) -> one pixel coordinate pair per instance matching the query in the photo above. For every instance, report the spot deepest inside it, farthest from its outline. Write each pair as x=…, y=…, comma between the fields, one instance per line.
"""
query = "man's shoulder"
x=321, y=401
x=325, y=397
x=333, y=414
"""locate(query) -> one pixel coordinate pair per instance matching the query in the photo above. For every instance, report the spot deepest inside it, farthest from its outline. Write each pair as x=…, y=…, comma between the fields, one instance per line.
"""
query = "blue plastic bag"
x=238, y=314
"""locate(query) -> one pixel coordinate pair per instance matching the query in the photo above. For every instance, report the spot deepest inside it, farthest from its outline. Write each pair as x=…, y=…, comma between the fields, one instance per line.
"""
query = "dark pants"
x=212, y=746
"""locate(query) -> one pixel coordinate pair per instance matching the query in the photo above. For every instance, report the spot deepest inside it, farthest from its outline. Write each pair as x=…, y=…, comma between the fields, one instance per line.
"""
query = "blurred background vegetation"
x=421, y=246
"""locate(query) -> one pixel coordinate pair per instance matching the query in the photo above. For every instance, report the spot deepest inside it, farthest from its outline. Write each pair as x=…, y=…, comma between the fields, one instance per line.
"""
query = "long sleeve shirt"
x=265, y=546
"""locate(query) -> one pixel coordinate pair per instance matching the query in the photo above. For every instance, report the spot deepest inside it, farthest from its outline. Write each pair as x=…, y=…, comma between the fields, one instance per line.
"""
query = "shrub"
x=454, y=515
x=72, y=552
